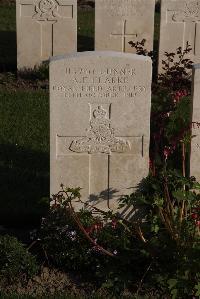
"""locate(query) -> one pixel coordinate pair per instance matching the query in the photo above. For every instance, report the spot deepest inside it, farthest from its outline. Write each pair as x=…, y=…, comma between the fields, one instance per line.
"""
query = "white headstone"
x=195, y=143
x=45, y=28
x=100, y=124
x=180, y=23
x=119, y=21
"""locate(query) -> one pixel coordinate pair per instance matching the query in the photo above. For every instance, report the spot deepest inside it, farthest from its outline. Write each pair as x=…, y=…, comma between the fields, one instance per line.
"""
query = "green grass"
x=24, y=155
x=8, y=47
x=7, y=18
x=85, y=30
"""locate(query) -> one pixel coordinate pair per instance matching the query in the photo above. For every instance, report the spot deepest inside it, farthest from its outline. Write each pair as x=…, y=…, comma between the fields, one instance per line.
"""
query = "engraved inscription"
x=190, y=13
x=121, y=8
x=98, y=91
x=100, y=137
x=100, y=83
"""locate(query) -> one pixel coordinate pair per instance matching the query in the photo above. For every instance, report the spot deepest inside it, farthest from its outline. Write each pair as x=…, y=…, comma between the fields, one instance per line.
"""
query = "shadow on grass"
x=85, y=43
x=8, y=51
x=24, y=181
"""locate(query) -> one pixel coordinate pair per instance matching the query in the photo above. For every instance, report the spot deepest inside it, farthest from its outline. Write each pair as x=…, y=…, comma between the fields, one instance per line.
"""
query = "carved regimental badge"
x=191, y=12
x=100, y=137
x=46, y=10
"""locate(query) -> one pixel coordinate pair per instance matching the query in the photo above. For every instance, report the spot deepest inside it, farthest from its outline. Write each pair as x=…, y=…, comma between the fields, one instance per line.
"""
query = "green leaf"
x=180, y=195
x=158, y=201
x=197, y=287
x=172, y=283
x=174, y=293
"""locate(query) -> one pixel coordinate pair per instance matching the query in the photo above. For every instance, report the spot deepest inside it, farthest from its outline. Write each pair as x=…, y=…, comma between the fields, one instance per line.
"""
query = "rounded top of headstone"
x=100, y=54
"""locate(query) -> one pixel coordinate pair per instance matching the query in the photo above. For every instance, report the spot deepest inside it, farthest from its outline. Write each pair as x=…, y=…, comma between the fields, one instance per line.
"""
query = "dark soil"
x=48, y=282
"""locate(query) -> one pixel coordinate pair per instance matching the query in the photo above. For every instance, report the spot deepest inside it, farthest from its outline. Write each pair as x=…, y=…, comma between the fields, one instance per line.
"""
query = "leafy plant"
x=171, y=230
x=171, y=108
x=15, y=261
x=100, y=246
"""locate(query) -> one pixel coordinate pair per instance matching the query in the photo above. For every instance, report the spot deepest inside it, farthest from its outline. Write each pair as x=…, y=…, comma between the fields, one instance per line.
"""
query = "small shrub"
x=40, y=72
x=160, y=252
x=100, y=247
x=15, y=261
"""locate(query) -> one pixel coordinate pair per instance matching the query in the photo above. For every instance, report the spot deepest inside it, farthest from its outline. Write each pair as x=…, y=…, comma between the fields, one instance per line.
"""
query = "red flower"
x=194, y=216
x=179, y=95
x=88, y=230
x=198, y=223
x=166, y=152
x=114, y=224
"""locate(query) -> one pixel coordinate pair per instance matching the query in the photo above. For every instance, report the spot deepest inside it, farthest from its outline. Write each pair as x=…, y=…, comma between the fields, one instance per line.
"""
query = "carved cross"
x=98, y=145
x=124, y=35
x=46, y=13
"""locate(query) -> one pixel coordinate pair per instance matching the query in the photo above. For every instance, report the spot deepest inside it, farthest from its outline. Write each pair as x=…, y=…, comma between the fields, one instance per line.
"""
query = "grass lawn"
x=24, y=134
x=8, y=47
x=85, y=30
x=24, y=154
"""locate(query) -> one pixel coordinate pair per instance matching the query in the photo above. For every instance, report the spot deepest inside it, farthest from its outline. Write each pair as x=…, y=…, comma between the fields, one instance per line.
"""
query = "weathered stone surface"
x=180, y=23
x=119, y=21
x=100, y=124
x=45, y=28
x=195, y=143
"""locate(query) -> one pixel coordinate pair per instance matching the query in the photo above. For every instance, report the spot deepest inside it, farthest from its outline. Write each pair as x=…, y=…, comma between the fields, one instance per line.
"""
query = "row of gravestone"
x=49, y=27
x=100, y=106
x=100, y=101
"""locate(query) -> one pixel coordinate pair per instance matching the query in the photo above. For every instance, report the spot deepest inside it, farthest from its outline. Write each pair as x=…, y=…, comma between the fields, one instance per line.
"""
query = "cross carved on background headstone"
x=124, y=35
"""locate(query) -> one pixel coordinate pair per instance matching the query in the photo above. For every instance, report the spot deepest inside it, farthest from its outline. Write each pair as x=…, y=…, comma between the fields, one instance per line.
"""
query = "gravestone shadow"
x=24, y=181
x=103, y=196
x=8, y=51
x=132, y=212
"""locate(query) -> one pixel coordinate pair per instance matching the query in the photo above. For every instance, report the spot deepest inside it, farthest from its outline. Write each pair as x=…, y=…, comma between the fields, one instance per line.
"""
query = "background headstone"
x=45, y=28
x=180, y=22
x=195, y=143
x=119, y=21
x=100, y=124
